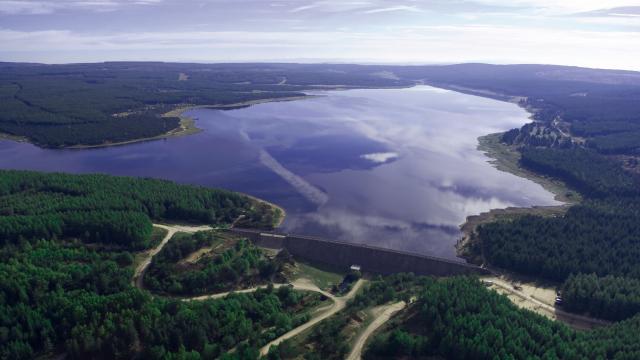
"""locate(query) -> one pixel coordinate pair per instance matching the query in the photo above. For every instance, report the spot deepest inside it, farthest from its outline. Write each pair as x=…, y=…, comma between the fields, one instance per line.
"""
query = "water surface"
x=396, y=168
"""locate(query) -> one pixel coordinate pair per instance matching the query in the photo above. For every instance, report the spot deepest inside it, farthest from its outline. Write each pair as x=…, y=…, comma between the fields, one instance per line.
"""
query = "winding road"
x=339, y=302
x=382, y=314
x=138, y=275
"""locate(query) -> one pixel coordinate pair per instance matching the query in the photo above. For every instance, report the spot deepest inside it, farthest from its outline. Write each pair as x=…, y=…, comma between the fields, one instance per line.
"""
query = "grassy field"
x=322, y=278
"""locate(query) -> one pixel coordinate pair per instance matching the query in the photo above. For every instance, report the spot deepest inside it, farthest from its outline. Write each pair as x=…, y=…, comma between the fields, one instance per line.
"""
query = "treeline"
x=92, y=104
x=458, y=318
x=625, y=143
x=125, y=228
x=600, y=128
x=69, y=299
x=592, y=102
x=241, y=265
x=590, y=173
x=600, y=237
x=93, y=133
x=609, y=297
x=108, y=209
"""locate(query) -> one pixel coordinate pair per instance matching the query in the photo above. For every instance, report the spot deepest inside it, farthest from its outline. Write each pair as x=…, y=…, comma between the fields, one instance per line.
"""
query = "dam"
x=371, y=259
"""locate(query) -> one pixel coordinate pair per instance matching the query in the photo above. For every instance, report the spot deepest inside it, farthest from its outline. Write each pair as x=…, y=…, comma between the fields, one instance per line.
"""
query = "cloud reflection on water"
x=310, y=157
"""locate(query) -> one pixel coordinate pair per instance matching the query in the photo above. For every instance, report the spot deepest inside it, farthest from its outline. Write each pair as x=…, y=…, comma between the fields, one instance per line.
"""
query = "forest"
x=599, y=105
x=67, y=242
x=330, y=339
x=590, y=173
x=231, y=263
x=108, y=209
x=60, y=293
x=609, y=297
x=594, y=247
x=458, y=318
x=94, y=104
x=601, y=235
x=62, y=297
x=595, y=237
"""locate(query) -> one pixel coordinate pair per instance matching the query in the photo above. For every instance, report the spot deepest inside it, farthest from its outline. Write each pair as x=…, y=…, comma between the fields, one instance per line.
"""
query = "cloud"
x=627, y=11
x=393, y=9
x=514, y=31
x=364, y=7
x=611, y=20
x=303, y=8
x=619, y=16
x=402, y=44
x=28, y=7
x=559, y=7
x=380, y=157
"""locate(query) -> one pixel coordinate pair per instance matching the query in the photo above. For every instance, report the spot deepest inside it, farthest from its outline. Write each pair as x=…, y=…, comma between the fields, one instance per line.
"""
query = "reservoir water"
x=396, y=168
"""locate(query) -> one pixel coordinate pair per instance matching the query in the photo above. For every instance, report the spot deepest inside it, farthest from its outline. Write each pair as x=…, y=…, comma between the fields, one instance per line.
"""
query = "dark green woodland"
x=67, y=242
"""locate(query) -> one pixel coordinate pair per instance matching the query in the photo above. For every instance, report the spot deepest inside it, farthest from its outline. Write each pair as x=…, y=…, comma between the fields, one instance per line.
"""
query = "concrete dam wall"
x=369, y=258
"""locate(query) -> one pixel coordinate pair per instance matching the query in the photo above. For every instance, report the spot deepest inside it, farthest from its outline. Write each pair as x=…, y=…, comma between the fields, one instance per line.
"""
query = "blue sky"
x=590, y=33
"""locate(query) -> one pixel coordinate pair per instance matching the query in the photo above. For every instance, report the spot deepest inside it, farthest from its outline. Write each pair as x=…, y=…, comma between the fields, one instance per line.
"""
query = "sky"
x=591, y=33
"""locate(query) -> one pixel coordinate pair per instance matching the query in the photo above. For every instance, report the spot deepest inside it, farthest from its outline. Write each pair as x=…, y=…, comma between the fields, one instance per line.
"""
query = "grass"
x=507, y=158
x=322, y=278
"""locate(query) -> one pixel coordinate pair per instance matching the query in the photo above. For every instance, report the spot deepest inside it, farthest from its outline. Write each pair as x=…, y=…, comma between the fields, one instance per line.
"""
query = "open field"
x=540, y=298
x=323, y=279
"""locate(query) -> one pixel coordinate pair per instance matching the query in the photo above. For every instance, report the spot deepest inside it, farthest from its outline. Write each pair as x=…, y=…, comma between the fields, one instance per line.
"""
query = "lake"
x=396, y=168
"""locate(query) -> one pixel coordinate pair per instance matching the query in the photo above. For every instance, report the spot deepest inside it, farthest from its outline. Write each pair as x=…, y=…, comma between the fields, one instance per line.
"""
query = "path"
x=382, y=315
x=138, y=275
x=223, y=294
x=574, y=320
x=339, y=303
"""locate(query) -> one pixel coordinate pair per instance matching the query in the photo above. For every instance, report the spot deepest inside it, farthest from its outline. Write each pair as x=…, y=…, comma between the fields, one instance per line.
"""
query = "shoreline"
x=187, y=124
x=506, y=158
x=469, y=247
x=283, y=213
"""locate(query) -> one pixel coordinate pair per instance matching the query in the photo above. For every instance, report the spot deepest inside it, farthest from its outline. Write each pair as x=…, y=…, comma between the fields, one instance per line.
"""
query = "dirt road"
x=223, y=294
x=382, y=315
x=339, y=303
x=527, y=299
x=138, y=275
